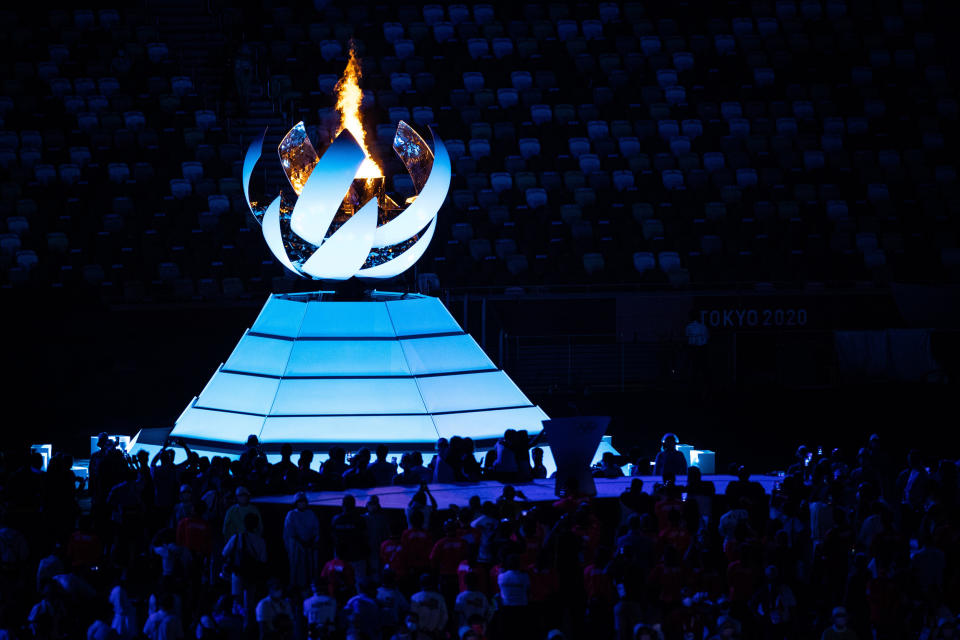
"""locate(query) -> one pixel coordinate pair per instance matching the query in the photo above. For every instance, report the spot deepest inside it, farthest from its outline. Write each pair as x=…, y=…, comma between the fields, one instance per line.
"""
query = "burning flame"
x=349, y=96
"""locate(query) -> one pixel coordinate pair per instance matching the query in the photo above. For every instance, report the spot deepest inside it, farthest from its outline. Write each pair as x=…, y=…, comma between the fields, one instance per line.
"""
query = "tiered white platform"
x=316, y=372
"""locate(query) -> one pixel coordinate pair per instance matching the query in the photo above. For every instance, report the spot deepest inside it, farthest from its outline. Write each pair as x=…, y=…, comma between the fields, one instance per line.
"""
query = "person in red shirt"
x=675, y=534
x=532, y=540
x=596, y=581
x=340, y=579
x=84, y=547
x=416, y=545
x=671, y=502
x=390, y=550
x=446, y=556
x=194, y=533
x=493, y=586
x=743, y=578
x=196, y=536
x=667, y=578
x=587, y=527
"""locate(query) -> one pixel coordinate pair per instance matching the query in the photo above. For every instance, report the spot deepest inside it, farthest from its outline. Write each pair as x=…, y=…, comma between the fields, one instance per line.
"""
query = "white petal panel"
x=405, y=260
x=422, y=210
x=343, y=253
x=249, y=162
x=274, y=237
x=326, y=188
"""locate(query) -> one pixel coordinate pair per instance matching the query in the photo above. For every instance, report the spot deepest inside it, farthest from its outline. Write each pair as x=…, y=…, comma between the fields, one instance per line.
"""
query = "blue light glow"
x=346, y=320
x=418, y=316
x=347, y=358
x=255, y=354
x=329, y=371
x=354, y=429
x=348, y=396
x=443, y=354
x=280, y=317
x=470, y=391
x=235, y=392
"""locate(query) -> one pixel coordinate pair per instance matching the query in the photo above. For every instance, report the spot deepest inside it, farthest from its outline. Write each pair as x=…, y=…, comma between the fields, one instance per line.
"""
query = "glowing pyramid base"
x=315, y=371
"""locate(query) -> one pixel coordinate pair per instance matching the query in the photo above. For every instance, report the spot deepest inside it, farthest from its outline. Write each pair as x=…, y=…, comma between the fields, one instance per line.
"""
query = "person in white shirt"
x=320, y=609
x=163, y=624
x=429, y=605
x=272, y=609
x=514, y=592
x=472, y=602
x=124, y=614
x=487, y=525
x=393, y=604
x=514, y=584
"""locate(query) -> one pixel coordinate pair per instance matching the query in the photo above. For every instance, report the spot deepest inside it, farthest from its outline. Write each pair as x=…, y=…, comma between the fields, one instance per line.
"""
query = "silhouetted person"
x=669, y=460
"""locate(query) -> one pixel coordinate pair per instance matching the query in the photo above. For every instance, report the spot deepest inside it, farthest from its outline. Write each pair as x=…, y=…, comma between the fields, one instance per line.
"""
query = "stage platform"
x=397, y=497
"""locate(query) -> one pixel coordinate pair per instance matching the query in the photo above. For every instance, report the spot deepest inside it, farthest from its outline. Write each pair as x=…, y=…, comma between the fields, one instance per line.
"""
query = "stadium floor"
x=397, y=497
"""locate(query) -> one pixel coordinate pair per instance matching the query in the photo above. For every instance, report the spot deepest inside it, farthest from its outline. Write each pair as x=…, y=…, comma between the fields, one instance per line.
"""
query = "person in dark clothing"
x=358, y=475
x=669, y=460
x=350, y=536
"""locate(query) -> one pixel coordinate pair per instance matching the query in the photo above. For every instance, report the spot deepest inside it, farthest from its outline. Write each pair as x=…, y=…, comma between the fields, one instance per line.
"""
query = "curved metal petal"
x=297, y=156
x=422, y=210
x=405, y=260
x=274, y=237
x=343, y=253
x=249, y=162
x=414, y=153
x=325, y=188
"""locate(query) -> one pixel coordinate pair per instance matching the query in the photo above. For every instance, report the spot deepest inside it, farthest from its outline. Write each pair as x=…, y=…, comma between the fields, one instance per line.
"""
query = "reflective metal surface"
x=297, y=157
x=424, y=209
x=249, y=162
x=415, y=154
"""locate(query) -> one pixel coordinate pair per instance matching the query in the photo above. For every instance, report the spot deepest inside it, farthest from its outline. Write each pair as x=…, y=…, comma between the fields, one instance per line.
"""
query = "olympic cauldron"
x=342, y=225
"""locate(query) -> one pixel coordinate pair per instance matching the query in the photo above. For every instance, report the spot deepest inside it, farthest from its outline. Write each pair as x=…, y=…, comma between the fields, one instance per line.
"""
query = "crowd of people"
x=844, y=547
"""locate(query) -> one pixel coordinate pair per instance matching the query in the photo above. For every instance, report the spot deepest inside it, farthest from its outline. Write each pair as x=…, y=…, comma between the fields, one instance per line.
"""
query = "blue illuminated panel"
x=347, y=358
x=346, y=320
x=255, y=354
x=235, y=392
x=443, y=354
x=280, y=317
x=334, y=396
x=470, y=391
x=489, y=424
x=368, y=429
x=217, y=425
x=336, y=371
x=417, y=316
